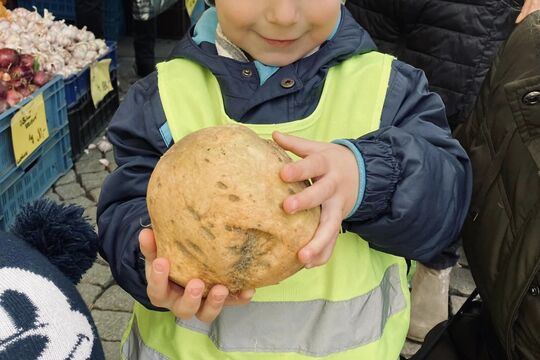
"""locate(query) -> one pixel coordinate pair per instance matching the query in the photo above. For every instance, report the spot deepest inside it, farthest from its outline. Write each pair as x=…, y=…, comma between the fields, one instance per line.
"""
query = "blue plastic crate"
x=61, y=9
x=79, y=84
x=86, y=121
x=30, y=183
x=56, y=112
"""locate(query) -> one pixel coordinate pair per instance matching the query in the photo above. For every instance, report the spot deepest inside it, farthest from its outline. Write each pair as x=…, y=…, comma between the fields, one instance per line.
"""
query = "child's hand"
x=334, y=171
x=188, y=302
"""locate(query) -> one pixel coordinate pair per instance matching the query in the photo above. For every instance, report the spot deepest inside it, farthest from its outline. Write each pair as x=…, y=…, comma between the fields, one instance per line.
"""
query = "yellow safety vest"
x=354, y=307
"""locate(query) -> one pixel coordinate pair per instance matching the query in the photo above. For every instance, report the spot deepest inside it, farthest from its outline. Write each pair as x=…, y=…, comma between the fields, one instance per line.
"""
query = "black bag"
x=467, y=335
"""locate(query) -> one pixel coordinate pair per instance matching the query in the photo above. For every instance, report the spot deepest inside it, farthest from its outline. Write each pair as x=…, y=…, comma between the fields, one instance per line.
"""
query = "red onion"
x=13, y=97
x=41, y=78
x=17, y=84
x=8, y=57
x=20, y=72
x=27, y=61
x=25, y=92
x=3, y=105
x=3, y=90
x=32, y=87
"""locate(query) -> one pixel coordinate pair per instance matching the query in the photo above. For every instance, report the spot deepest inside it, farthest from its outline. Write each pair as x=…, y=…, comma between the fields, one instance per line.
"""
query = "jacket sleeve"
x=122, y=210
x=417, y=177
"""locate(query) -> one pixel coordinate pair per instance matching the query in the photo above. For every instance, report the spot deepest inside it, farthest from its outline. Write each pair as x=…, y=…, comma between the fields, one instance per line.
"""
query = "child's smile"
x=279, y=43
x=278, y=32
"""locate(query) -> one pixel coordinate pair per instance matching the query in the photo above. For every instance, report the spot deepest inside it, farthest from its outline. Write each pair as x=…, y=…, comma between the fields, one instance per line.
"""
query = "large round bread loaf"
x=215, y=202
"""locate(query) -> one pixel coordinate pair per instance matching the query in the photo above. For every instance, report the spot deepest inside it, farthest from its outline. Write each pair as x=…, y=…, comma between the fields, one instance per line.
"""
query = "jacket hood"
x=350, y=39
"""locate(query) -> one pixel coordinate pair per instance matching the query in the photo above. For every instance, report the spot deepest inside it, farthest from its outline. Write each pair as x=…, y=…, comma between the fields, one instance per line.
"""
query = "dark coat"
x=454, y=42
x=502, y=236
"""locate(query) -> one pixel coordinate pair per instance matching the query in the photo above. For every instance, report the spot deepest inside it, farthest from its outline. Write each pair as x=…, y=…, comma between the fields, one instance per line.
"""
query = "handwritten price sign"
x=100, y=80
x=29, y=129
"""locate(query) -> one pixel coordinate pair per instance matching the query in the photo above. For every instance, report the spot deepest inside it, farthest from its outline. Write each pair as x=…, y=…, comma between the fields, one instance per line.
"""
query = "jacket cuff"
x=361, y=172
x=382, y=172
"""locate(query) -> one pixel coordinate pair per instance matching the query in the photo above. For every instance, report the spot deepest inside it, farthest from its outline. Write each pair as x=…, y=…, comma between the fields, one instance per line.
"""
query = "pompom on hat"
x=49, y=248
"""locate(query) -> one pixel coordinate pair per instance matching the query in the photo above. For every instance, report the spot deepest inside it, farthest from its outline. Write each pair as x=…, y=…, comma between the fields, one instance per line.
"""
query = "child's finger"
x=325, y=254
x=246, y=296
x=310, y=197
x=240, y=298
x=213, y=304
x=186, y=306
x=297, y=145
x=148, y=244
x=158, y=283
x=325, y=235
x=312, y=166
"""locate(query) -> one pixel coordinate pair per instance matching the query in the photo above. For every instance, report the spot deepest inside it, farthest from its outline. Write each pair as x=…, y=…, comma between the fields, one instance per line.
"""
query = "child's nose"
x=282, y=12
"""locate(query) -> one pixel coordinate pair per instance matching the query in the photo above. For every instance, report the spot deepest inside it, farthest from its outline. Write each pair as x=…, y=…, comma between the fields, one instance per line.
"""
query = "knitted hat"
x=42, y=315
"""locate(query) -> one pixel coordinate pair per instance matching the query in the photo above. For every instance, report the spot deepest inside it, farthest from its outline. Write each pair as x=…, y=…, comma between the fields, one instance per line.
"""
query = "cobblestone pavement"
x=109, y=304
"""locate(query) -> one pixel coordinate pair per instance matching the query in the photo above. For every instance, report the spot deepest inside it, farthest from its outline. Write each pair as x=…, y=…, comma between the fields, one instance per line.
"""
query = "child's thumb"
x=147, y=244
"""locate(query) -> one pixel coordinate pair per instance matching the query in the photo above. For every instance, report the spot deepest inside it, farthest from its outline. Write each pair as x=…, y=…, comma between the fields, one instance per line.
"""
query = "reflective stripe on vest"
x=291, y=334
x=354, y=307
x=290, y=318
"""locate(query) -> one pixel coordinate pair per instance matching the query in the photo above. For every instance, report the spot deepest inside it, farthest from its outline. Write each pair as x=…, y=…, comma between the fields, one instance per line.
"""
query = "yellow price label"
x=190, y=5
x=29, y=129
x=100, y=80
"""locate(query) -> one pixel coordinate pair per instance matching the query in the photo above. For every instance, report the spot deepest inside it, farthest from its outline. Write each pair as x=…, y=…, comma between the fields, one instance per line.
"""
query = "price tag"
x=29, y=129
x=100, y=80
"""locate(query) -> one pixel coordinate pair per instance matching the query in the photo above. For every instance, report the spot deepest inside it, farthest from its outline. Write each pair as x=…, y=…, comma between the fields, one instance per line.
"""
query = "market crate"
x=62, y=9
x=32, y=181
x=78, y=85
x=113, y=19
x=86, y=122
x=56, y=112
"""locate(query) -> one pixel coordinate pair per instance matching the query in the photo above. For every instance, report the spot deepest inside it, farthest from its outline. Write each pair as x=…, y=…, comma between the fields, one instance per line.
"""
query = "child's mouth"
x=279, y=43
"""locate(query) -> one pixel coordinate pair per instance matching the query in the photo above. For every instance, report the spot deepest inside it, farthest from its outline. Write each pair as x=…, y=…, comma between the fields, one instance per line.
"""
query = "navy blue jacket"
x=418, y=178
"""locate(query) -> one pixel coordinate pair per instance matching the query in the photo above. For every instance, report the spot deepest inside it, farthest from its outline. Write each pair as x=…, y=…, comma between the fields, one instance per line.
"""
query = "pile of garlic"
x=60, y=48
